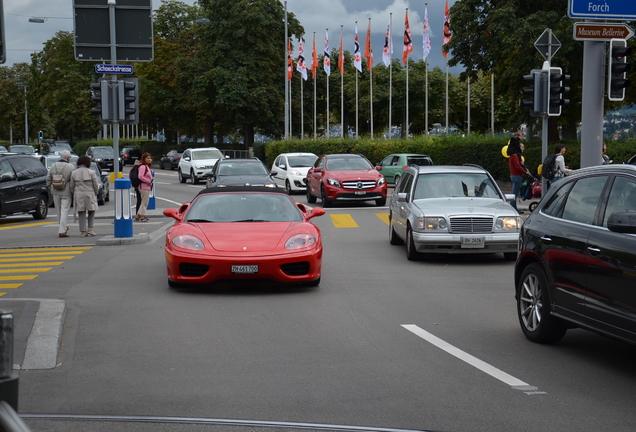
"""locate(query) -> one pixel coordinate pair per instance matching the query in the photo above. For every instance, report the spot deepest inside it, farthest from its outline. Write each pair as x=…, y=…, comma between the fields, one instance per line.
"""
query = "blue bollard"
x=151, y=200
x=123, y=212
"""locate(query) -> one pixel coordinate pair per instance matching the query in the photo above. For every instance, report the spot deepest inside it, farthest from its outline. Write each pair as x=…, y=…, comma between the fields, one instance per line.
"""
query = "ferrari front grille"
x=295, y=269
x=193, y=270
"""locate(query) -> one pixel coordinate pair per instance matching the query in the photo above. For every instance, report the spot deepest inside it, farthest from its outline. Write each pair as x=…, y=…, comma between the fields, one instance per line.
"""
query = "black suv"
x=128, y=155
x=23, y=186
x=578, y=255
x=103, y=156
x=240, y=172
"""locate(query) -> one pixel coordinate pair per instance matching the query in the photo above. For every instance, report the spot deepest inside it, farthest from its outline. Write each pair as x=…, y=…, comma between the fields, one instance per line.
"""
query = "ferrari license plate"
x=244, y=269
x=473, y=242
x=360, y=192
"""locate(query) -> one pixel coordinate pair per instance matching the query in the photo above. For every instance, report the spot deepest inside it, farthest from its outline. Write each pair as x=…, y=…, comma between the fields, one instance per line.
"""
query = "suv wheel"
x=325, y=202
x=411, y=252
x=42, y=208
x=393, y=237
x=193, y=178
x=181, y=178
x=310, y=198
x=533, y=307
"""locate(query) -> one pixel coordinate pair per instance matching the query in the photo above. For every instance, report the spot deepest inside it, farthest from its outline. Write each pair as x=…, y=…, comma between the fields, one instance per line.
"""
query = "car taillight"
x=405, y=167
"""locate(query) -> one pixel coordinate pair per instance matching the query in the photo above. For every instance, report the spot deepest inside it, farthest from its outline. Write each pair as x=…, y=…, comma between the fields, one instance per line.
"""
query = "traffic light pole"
x=592, y=109
x=113, y=60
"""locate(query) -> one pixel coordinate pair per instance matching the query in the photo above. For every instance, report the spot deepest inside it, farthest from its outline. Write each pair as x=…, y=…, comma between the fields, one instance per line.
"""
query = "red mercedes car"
x=243, y=233
x=345, y=177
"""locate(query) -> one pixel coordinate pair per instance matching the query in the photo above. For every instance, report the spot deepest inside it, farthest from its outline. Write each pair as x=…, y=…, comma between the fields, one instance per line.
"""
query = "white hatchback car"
x=291, y=170
x=196, y=163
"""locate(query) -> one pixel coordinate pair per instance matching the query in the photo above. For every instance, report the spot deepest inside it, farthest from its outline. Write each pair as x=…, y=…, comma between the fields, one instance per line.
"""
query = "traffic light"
x=535, y=91
x=40, y=135
x=556, y=91
x=617, y=68
x=101, y=95
x=128, y=101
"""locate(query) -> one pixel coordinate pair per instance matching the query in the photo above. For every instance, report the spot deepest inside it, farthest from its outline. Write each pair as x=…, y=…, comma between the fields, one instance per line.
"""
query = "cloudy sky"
x=24, y=37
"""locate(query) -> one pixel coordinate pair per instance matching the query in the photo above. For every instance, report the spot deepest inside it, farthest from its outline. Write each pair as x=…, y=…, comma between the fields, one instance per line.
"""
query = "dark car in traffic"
x=22, y=149
x=103, y=156
x=170, y=160
x=129, y=154
x=240, y=172
x=23, y=186
x=577, y=261
x=103, y=193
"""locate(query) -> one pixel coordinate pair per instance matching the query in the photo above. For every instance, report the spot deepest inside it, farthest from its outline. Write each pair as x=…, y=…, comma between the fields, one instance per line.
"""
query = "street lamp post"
x=26, y=113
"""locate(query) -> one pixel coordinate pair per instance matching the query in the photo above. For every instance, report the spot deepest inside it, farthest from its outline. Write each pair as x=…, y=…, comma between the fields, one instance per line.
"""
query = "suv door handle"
x=593, y=249
x=547, y=239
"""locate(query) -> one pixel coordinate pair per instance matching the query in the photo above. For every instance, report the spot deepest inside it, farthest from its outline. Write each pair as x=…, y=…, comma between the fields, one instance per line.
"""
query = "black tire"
x=100, y=198
x=107, y=198
x=533, y=307
x=42, y=209
x=394, y=239
x=323, y=196
x=411, y=252
x=380, y=202
x=533, y=206
x=181, y=178
x=193, y=178
x=310, y=198
x=313, y=283
x=510, y=256
x=396, y=180
x=288, y=187
x=162, y=166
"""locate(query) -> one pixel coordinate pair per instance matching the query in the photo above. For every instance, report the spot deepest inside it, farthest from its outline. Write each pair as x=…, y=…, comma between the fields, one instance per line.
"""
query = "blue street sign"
x=602, y=9
x=113, y=69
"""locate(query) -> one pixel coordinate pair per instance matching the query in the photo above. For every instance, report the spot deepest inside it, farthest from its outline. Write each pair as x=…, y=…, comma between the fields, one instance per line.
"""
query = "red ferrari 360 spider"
x=243, y=233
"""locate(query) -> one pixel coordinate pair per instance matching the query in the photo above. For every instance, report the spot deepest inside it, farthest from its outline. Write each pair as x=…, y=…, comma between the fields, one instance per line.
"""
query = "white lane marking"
x=472, y=360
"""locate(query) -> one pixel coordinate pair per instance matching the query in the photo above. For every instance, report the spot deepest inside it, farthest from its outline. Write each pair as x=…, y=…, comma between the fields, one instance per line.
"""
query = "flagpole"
x=390, y=42
x=407, y=91
x=426, y=97
x=492, y=104
x=327, y=133
x=356, y=72
x=446, y=95
x=426, y=46
x=286, y=78
x=291, y=135
x=468, y=131
x=341, y=61
x=313, y=73
x=302, y=109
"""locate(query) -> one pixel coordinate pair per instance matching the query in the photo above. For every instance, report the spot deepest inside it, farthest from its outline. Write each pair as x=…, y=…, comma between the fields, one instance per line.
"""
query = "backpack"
x=133, y=175
x=549, y=167
x=58, y=182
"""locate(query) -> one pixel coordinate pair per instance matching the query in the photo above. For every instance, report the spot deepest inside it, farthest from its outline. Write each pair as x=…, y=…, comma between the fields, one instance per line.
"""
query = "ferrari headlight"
x=507, y=223
x=187, y=241
x=300, y=241
x=333, y=182
x=435, y=224
x=381, y=181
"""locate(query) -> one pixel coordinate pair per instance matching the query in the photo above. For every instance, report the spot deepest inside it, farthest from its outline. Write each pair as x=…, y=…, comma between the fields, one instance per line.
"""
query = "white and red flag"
x=290, y=61
x=387, y=51
x=446, y=37
x=301, y=66
x=357, y=58
x=426, y=41
x=408, y=42
x=326, y=60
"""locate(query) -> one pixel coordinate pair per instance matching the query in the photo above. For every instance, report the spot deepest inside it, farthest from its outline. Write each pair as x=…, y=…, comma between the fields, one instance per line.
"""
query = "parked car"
x=240, y=172
x=196, y=163
x=345, y=177
x=243, y=233
x=22, y=149
x=103, y=156
x=393, y=165
x=49, y=160
x=55, y=148
x=170, y=160
x=3, y=149
x=289, y=170
x=129, y=154
x=23, y=186
x=452, y=210
x=578, y=255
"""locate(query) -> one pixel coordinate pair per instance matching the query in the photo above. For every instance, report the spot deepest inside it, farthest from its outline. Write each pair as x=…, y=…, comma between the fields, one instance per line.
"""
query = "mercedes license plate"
x=361, y=192
x=244, y=269
x=473, y=242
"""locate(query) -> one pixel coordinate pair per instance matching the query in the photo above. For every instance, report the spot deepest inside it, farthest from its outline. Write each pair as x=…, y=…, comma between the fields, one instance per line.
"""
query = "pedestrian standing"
x=517, y=168
x=61, y=197
x=561, y=169
x=145, y=185
x=605, y=160
x=85, y=187
x=137, y=193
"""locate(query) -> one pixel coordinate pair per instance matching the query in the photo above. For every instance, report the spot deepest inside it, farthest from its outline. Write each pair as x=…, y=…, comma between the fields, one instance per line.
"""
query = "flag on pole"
x=388, y=46
x=326, y=60
x=314, y=59
x=341, y=59
x=290, y=61
x=357, y=59
x=300, y=63
x=408, y=43
x=426, y=45
x=446, y=37
x=368, y=52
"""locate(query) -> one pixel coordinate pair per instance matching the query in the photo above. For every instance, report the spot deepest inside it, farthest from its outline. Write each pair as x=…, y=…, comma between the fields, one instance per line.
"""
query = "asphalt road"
x=382, y=343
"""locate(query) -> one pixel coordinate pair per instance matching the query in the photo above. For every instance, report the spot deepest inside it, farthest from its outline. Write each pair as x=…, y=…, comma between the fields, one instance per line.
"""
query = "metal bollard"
x=8, y=379
x=123, y=212
x=151, y=200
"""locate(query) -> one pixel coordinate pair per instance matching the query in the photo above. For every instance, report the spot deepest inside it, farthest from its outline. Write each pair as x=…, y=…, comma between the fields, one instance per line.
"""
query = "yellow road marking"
x=34, y=254
x=44, y=258
x=31, y=264
x=10, y=286
x=384, y=217
x=11, y=226
x=1, y=294
x=47, y=249
x=30, y=269
x=10, y=278
x=343, y=221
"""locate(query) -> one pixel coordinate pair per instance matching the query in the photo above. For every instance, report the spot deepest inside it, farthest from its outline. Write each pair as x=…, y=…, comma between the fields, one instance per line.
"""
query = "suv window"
x=28, y=168
x=6, y=171
x=583, y=200
x=622, y=197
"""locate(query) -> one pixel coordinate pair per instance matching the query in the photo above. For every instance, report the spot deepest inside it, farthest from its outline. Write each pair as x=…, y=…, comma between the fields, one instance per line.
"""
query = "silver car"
x=452, y=210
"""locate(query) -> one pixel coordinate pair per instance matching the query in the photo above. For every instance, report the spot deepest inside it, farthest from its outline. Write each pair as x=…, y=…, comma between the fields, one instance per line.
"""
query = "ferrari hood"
x=246, y=236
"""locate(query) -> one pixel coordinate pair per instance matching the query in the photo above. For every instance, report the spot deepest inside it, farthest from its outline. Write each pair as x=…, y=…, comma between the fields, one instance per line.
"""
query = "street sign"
x=3, y=50
x=133, y=30
x=602, y=9
x=601, y=32
x=547, y=44
x=114, y=69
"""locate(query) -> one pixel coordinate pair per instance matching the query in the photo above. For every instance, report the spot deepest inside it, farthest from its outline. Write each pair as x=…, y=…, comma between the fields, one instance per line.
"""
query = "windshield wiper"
x=251, y=220
x=199, y=220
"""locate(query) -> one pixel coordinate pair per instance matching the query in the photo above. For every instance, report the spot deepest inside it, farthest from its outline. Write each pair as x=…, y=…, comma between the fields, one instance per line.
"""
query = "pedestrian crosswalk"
x=18, y=266
x=346, y=220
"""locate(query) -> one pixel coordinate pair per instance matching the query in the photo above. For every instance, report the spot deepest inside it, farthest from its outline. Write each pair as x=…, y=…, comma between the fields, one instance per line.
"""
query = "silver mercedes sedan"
x=452, y=210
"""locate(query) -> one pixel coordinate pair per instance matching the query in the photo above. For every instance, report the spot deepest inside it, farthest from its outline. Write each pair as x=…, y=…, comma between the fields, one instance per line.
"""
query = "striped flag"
x=314, y=59
x=387, y=51
x=446, y=37
x=326, y=60
x=300, y=63
x=426, y=44
x=290, y=61
x=341, y=59
x=368, y=52
x=408, y=43
x=357, y=59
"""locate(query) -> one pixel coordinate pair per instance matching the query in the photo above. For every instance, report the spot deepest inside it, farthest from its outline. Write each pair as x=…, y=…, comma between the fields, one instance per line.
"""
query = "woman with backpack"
x=145, y=185
x=560, y=169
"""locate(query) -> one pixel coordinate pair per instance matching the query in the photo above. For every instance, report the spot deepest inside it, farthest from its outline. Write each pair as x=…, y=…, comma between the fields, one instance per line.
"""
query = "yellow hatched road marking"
x=6, y=260
x=11, y=226
x=30, y=269
x=34, y=254
x=343, y=221
x=384, y=217
x=10, y=286
x=47, y=249
x=31, y=264
x=11, y=278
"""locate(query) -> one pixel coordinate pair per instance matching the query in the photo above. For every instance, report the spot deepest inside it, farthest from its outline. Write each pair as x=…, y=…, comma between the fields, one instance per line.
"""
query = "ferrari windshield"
x=243, y=207
x=350, y=163
x=444, y=185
